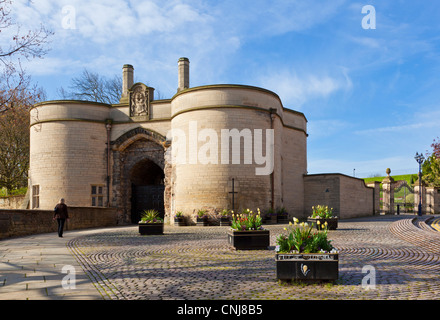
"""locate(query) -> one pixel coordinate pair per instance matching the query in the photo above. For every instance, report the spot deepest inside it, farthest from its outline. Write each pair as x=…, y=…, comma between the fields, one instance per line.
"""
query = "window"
x=97, y=196
x=35, y=197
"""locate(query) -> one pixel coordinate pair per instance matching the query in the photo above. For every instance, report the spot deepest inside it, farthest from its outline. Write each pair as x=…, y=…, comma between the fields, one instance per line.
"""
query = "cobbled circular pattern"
x=197, y=263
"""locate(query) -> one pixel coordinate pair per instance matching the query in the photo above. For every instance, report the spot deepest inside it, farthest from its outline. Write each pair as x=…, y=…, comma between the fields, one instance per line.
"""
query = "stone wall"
x=16, y=223
x=68, y=152
x=349, y=197
x=66, y=158
x=432, y=200
x=11, y=202
x=221, y=108
x=293, y=166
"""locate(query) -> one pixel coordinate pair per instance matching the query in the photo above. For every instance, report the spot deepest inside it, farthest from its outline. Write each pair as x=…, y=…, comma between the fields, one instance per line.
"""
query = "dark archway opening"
x=147, y=189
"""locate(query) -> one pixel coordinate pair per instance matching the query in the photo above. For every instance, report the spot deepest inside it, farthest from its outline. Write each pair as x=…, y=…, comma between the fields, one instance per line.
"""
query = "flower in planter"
x=225, y=213
x=322, y=212
x=247, y=220
x=179, y=214
x=202, y=214
x=322, y=226
x=281, y=211
x=150, y=216
x=301, y=239
x=271, y=213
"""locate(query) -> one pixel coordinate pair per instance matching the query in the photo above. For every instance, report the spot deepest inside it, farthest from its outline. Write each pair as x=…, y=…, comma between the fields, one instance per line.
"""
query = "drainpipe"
x=272, y=182
x=108, y=126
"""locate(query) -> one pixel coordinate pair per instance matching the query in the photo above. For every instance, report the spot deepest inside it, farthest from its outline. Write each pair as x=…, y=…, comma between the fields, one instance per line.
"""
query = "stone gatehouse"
x=180, y=154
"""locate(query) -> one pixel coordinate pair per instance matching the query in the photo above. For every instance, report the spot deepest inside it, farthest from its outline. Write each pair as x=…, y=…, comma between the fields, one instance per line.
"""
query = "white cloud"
x=294, y=89
x=262, y=18
x=369, y=42
x=421, y=120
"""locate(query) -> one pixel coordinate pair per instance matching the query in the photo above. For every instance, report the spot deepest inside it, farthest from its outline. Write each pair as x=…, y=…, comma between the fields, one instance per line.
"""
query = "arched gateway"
x=138, y=173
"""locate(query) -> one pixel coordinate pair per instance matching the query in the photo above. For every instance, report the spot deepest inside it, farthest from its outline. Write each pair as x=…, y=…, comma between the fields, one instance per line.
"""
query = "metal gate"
x=145, y=198
x=403, y=197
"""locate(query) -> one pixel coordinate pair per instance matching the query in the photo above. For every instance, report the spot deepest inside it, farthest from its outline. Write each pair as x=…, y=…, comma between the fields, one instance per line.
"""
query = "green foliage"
x=281, y=211
x=202, y=213
x=301, y=239
x=14, y=147
x=179, y=214
x=150, y=216
x=409, y=178
x=14, y=192
x=270, y=212
x=431, y=171
x=225, y=213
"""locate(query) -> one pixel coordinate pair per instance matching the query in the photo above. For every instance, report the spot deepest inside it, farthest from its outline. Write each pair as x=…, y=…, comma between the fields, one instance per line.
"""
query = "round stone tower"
x=67, y=152
x=228, y=146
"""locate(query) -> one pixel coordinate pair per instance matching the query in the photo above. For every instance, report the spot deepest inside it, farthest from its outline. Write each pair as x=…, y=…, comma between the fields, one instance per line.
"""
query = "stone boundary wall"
x=349, y=197
x=432, y=203
x=11, y=202
x=17, y=223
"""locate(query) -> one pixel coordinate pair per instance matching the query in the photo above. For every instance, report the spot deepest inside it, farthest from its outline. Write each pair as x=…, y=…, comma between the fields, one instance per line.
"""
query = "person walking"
x=61, y=215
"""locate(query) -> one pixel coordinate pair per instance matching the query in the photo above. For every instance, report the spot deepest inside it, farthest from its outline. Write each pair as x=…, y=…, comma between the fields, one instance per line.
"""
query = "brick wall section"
x=293, y=166
x=349, y=197
x=376, y=186
x=16, y=223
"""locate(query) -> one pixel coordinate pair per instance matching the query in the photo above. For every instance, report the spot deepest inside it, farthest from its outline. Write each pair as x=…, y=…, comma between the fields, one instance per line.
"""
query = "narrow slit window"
x=35, y=197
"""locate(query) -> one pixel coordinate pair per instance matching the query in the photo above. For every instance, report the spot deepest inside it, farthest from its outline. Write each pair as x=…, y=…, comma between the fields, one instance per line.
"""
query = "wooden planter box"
x=249, y=240
x=202, y=221
x=307, y=266
x=225, y=221
x=179, y=221
x=332, y=223
x=150, y=228
x=282, y=219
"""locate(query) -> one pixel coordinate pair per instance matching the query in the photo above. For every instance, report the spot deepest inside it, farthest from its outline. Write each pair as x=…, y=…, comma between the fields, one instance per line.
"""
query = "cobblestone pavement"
x=197, y=263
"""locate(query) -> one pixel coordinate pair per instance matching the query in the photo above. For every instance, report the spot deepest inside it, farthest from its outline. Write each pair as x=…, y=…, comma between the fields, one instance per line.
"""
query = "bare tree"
x=28, y=45
x=90, y=86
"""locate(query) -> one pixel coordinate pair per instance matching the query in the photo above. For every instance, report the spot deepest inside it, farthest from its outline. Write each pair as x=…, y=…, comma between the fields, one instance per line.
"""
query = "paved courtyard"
x=191, y=263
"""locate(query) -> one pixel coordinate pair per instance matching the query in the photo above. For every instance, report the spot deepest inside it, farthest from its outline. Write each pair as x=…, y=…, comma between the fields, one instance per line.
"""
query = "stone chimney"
x=127, y=79
x=183, y=82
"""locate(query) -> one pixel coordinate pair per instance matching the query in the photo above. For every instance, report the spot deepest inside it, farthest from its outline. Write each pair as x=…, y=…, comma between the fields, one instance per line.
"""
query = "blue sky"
x=371, y=96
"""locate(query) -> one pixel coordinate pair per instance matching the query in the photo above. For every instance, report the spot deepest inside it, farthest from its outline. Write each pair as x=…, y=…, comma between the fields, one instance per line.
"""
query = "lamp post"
x=420, y=158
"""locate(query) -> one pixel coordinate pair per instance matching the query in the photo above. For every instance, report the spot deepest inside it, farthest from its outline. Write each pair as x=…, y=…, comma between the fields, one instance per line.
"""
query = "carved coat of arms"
x=139, y=101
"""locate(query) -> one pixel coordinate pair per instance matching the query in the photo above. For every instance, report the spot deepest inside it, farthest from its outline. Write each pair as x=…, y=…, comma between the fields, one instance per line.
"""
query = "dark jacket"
x=60, y=211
